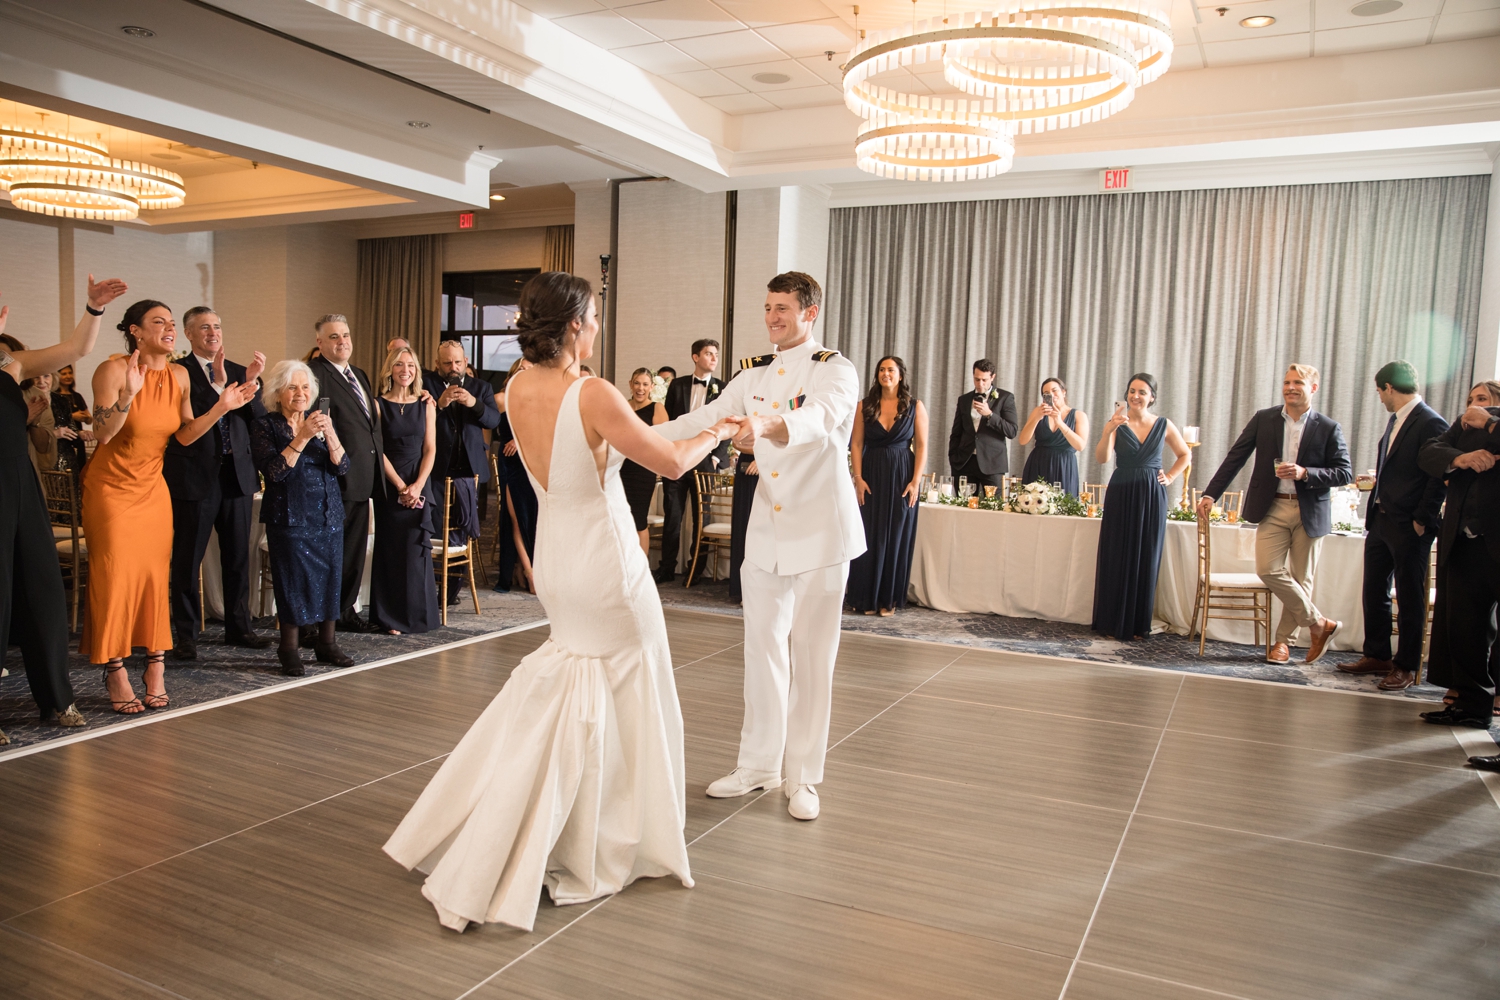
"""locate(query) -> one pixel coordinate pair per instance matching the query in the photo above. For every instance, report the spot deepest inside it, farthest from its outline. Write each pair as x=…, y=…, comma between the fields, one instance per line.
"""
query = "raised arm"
x=1037, y=415
x=1105, y=449
x=85, y=335
x=729, y=403
x=606, y=414
x=1077, y=438
x=232, y=398
x=1239, y=454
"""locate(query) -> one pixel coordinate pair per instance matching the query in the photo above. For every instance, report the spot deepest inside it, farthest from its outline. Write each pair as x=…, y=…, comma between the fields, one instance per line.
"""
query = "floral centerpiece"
x=1033, y=498
x=658, y=389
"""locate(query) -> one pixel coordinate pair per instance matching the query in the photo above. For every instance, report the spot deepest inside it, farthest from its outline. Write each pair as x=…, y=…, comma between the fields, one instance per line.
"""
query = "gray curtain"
x=399, y=288
x=1214, y=292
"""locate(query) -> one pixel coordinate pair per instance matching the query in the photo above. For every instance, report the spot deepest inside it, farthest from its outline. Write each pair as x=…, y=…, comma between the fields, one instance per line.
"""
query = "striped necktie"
x=359, y=393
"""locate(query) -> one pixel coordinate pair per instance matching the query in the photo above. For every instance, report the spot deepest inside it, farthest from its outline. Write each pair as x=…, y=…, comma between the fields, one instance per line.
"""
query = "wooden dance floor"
x=993, y=826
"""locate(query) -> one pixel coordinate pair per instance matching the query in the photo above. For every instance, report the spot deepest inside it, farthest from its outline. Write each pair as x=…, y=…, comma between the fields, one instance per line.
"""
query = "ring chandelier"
x=63, y=175
x=1031, y=66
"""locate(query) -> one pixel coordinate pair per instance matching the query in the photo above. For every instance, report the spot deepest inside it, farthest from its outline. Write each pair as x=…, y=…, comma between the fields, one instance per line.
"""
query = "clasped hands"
x=455, y=393
x=315, y=423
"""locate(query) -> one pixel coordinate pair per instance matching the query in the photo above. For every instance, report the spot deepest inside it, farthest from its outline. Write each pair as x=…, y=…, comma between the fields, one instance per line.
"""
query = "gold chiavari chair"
x=60, y=490
x=499, y=499
x=1093, y=493
x=447, y=557
x=716, y=504
x=1228, y=596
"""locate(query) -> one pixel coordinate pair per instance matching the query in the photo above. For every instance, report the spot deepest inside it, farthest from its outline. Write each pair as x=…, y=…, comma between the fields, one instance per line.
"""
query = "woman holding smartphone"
x=300, y=457
x=1134, y=526
x=403, y=590
x=1060, y=432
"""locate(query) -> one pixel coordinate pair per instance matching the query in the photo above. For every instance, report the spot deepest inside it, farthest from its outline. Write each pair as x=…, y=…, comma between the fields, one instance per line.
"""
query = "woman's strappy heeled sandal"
x=121, y=707
x=156, y=700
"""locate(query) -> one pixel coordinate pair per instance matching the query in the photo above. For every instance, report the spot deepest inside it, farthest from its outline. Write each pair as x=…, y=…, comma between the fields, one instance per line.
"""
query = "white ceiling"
x=715, y=49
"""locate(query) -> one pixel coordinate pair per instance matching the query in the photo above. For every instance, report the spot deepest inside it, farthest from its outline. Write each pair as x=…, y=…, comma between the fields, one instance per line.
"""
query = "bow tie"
x=701, y=381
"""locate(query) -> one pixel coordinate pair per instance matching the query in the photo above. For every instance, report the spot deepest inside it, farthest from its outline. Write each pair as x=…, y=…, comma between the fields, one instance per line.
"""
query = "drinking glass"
x=963, y=485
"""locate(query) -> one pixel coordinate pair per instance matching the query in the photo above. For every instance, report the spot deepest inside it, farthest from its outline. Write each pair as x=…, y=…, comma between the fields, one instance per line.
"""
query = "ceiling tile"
x=671, y=19
x=659, y=58
x=606, y=29
x=558, y=8
x=1470, y=24
x=1291, y=18
x=732, y=48
x=1337, y=14
x=806, y=97
x=1186, y=57
x=825, y=69
x=1465, y=6
x=796, y=75
x=741, y=104
x=759, y=13
x=1369, y=37
x=1249, y=50
x=811, y=38
x=705, y=83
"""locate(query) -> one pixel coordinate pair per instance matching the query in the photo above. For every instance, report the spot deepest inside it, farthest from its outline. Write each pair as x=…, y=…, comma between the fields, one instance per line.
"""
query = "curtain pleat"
x=557, y=249
x=1214, y=292
x=399, y=284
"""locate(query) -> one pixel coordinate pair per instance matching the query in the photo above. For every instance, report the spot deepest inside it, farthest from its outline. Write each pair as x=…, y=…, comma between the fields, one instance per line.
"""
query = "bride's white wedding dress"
x=573, y=776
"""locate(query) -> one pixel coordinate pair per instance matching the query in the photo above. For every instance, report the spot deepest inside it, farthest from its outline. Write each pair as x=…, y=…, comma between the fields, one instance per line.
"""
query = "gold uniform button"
x=775, y=406
x=781, y=371
x=775, y=474
x=777, y=508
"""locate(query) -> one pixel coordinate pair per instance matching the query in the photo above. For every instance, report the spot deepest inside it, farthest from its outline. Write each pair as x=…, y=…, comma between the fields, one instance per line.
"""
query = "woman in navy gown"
x=638, y=481
x=888, y=450
x=518, y=534
x=403, y=590
x=1060, y=432
x=303, y=511
x=1134, y=525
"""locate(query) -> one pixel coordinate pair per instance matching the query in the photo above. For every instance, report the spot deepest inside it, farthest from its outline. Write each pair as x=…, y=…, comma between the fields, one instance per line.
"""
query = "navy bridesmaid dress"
x=522, y=508
x=1131, y=534
x=1053, y=460
x=878, y=578
x=403, y=591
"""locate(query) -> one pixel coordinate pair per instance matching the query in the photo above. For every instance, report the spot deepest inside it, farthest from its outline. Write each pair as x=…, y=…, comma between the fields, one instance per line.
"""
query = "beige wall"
x=494, y=249
x=29, y=282
x=273, y=282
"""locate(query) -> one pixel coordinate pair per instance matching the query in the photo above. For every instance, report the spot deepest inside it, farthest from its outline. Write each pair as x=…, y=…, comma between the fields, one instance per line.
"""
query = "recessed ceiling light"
x=136, y=31
x=1374, y=8
x=417, y=124
x=771, y=78
x=1258, y=21
x=497, y=197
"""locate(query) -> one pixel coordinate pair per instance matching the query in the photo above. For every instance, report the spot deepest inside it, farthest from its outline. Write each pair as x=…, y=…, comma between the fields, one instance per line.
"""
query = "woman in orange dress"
x=140, y=402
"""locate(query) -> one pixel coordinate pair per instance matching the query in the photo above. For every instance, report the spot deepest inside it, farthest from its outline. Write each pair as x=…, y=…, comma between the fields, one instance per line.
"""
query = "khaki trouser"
x=1285, y=561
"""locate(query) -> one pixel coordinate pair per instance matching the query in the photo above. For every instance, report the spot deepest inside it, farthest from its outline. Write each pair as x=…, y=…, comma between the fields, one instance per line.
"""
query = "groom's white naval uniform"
x=804, y=530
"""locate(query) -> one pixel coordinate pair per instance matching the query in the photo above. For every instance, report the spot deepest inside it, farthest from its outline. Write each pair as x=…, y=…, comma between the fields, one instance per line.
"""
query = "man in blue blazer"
x=466, y=409
x=1300, y=456
x=1401, y=522
x=212, y=482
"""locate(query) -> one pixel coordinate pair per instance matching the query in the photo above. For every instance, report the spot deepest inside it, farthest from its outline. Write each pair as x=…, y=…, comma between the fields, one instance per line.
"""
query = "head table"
x=1042, y=566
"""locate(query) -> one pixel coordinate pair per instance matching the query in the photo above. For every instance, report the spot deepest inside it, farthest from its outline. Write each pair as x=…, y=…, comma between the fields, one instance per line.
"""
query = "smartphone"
x=1047, y=398
x=421, y=502
x=323, y=405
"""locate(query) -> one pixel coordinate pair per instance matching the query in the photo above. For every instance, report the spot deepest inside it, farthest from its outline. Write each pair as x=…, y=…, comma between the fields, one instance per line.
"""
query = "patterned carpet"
x=1030, y=635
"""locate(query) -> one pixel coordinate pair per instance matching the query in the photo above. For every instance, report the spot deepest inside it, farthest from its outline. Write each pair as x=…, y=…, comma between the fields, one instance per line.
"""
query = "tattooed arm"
x=115, y=384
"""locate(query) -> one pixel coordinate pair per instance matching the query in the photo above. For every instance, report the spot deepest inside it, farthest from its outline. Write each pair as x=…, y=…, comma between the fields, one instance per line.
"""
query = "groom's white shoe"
x=741, y=781
x=802, y=801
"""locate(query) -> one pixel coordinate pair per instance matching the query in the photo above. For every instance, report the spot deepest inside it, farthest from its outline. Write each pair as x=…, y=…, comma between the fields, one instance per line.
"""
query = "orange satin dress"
x=127, y=520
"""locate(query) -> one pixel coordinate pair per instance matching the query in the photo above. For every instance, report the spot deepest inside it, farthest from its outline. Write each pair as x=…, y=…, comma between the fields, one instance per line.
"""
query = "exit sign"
x=1114, y=179
x=465, y=220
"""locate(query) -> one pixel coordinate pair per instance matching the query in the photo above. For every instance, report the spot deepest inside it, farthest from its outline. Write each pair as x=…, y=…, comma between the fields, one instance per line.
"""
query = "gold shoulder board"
x=759, y=361
x=825, y=355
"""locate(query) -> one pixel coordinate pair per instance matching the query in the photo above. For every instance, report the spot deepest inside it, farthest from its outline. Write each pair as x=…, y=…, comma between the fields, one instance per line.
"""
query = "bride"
x=573, y=777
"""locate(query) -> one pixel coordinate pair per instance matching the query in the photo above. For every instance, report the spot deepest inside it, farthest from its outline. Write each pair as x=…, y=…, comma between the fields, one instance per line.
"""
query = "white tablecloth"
x=1032, y=566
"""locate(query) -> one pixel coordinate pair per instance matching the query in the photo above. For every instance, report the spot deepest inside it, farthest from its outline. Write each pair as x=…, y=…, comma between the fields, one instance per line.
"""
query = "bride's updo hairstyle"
x=549, y=302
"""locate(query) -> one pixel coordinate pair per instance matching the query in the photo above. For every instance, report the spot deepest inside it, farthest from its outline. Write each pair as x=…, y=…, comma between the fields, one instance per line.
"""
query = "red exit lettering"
x=465, y=220
x=1114, y=179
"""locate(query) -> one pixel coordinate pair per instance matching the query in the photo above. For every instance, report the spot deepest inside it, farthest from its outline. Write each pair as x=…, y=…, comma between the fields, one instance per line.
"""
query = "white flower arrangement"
x=1036, y=498
x=658, y=389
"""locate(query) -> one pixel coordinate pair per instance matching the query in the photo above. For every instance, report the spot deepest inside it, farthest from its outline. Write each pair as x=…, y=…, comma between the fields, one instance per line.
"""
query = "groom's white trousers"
x=791, y=640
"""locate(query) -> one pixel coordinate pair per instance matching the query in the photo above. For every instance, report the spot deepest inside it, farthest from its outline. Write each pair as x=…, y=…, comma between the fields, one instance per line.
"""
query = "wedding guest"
x=299, y=453
x=70, y=410
x=351, y=406
x=684, y=395
x=1439, y=668
x=42, y=429
x=33, y=606
x=393, y=343
x=1401, y=522
x=465, y=410
x=1060, y=432
x=140, y=403
x=888, y=450
x=310, y=355
x=1469, y=558
x=1134, y=525
x=403, y=593
x=640, y=482
x=1300, y=456
x=666, y=373
x=983, y=424
x=746, y=478
x=518, y=533
x=213, y=485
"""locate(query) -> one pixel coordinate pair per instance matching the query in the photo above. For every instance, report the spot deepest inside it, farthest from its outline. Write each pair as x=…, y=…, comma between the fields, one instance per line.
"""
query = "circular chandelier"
x=1031, y=66
x=62, y=175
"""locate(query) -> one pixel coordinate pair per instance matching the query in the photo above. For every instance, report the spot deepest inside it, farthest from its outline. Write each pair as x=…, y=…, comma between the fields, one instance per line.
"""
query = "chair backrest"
x=495, y=469
x=1205, y=549
x=1232, y=500
x=60, y=491
x=1094, y=493
x=925, y=483
x=715, y=496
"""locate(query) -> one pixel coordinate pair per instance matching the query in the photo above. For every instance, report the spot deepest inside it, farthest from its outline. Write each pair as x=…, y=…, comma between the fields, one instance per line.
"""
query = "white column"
x=1487, y=348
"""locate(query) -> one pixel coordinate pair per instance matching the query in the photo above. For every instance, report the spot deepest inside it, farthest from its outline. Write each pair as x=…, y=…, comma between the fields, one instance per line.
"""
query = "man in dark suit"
x=684, y=395
x=466, y=408
x=983, y=424
x=356, y=420
x=213, y=483
x=1401, y=521
x=1469, y=560
x=1300, y=456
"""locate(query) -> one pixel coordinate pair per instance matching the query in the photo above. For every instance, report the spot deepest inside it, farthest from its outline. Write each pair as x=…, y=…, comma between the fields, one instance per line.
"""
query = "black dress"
x=403, y=590
x=639, y=481
x=33, y=608
x=70, y=454
x=1053, y=460
x=303, y=511
x=1131, y=534
x=519, y=509
x=739, y=518
x=878, y=578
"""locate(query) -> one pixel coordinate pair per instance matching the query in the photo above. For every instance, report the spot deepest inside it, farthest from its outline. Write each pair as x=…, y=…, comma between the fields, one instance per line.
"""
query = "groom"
x=798, y=408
